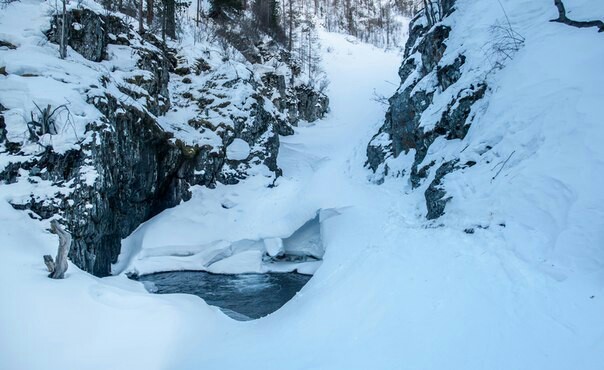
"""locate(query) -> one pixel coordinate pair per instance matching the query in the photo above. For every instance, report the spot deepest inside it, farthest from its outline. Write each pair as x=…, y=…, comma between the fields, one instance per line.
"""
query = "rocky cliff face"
x=164, y=120
x=430, y=103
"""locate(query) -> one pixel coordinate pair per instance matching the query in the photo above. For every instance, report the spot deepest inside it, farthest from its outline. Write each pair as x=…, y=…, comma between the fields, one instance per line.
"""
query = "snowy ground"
x=391, y=293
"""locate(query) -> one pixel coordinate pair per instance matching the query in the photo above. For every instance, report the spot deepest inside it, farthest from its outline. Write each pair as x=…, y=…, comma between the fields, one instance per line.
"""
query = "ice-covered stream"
x=241, y=296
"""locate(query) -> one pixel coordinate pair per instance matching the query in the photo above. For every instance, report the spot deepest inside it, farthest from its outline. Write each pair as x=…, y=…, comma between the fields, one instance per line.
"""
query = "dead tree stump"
x=58, y=267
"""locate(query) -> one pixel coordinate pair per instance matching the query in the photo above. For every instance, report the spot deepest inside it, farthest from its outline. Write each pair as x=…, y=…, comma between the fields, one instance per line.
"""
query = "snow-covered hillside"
x=119, y=129
x=510, y=276
x=505, y=132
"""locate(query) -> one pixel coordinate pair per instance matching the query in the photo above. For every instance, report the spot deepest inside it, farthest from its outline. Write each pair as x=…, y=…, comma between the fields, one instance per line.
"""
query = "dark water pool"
x=242, y=297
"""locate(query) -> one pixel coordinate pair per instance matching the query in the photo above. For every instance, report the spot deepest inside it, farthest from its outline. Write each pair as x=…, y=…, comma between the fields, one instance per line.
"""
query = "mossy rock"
x=188, y=151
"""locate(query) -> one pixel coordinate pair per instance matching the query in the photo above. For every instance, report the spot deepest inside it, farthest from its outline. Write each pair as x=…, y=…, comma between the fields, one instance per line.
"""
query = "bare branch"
x=562, y=18
x=502, y=166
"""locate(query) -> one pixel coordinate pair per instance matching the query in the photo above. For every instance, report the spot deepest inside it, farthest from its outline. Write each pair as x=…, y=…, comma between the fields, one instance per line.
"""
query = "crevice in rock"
x=436, y=196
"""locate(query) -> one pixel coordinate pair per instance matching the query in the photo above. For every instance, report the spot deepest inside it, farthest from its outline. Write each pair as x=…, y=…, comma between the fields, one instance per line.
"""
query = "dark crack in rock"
x=436, y=196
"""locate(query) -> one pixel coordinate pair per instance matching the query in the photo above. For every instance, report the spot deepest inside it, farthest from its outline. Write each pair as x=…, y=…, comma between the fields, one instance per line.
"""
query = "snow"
x=524, y=291
x=306, y=240
x=238, y=150
x=274, y=246
x=166, y=243
x=241, y=263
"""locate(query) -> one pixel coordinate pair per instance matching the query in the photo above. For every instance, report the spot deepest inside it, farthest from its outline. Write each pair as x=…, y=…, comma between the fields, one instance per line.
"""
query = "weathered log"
x=58, y=267
x=50, y=263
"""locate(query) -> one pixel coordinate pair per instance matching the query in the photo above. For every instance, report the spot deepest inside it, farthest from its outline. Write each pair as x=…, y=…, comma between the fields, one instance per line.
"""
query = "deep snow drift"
x=392, y=291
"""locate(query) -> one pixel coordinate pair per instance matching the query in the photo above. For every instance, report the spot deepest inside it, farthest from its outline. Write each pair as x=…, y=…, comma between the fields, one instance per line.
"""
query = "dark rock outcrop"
x=436, y=197
x=310, y=104
x=432, y=47
x=2, y=125
x=127, y=168
x=449, y=74
x=89, y=34
x=129, y=172
x=402, y=130
x=140, y=172
x=259, y=130
x=301, y=102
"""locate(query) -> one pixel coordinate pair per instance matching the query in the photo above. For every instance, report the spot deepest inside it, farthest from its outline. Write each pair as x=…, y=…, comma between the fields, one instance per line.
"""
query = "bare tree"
x=428, y=12
x=58, y=267
x=291, y=26
x=141, y=29
x=197, y=12
x=169, y=19
x=63, y=44
x=149, y=12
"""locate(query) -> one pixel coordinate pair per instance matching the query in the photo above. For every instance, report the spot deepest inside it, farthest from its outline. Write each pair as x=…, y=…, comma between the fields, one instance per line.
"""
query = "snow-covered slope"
x=119, y=129
x=393, y=291
x=525, y=160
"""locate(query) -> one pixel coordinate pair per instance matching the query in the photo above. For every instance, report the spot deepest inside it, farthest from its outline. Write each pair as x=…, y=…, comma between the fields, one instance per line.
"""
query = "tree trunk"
x=140, y=17
x=163, y=22
x=149, y=12
x=309, y=55
x=57, y=268
x=170, y=10
x=63, y=51
x=197, y=13
x=428, y=13
x=291, y=26
x=284, y=16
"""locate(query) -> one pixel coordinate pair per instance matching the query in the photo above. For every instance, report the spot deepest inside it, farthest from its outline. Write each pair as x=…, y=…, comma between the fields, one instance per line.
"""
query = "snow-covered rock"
x=133, y=122
x=274, y=246
x=238, y=150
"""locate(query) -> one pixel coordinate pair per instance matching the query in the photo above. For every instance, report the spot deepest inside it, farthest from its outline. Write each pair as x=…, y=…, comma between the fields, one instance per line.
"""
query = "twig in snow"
x=503, y=165
x=379, y=98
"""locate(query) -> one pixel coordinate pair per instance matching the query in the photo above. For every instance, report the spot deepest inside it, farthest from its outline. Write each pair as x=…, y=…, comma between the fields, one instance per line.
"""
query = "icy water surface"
x=242, y=297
